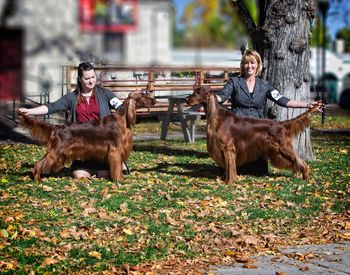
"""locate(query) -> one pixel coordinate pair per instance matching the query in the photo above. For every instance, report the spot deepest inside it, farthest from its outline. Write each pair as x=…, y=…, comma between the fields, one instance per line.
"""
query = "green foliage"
x=317, y=34
x=344, y=34
x=210, y=24
x=215, y=23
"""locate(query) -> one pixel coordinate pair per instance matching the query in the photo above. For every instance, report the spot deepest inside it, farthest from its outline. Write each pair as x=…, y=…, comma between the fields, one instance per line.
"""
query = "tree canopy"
x=344, y=34
x=213, y=23
x=210, y=23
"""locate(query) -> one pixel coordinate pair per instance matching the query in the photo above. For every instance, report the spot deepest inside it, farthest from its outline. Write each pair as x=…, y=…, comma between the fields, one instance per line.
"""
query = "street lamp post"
x=323, y=6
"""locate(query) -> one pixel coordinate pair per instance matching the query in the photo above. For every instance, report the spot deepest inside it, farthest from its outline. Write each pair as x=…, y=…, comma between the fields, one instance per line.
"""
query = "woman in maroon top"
x=87, y=102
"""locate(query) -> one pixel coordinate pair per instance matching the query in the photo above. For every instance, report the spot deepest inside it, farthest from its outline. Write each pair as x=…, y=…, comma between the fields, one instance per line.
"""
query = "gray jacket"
x=69, y=101
x=250, y=104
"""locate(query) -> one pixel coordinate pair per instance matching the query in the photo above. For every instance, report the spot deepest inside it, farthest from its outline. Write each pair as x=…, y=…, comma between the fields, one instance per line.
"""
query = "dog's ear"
x=204, y=89
x=131, y=111
x=135, y=96
x=196, y=90
x=199, y=89
x=207, y=89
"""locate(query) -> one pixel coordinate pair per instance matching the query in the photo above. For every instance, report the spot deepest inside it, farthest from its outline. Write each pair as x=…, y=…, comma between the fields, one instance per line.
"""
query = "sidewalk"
x=306, y=259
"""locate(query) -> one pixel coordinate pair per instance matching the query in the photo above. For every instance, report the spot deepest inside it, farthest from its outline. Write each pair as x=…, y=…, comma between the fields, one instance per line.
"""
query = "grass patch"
x=173, y=209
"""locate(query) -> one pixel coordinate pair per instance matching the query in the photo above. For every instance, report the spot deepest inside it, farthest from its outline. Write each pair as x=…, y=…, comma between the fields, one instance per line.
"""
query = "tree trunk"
x=283, y=40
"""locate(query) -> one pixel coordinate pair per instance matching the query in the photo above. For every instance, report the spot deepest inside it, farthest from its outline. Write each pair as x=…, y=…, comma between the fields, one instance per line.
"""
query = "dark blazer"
x=69, y=101
x=250, y=104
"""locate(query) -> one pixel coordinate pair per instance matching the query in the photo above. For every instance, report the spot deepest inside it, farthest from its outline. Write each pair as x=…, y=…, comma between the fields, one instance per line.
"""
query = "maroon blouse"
x=86, y=111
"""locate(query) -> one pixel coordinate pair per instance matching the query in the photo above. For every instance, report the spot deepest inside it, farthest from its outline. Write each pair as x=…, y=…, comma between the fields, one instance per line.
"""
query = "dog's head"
x=200, y=95
x=142, y=99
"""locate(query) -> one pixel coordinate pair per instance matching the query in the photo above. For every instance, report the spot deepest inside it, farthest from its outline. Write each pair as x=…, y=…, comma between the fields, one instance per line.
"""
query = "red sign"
x=11, y=64
x=107, y=15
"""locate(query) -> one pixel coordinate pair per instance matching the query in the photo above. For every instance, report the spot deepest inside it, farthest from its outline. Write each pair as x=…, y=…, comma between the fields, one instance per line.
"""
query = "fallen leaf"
x=124, y=207
x=250, y=266
x=8, y=265
x=171, y=220
x=4, y=233
x=9, y=219
x=345, y=236
x=244, y=259
x=47, y=188
x=128, y=231
x=89, y=210
x=249, y=240
x=4, y=194
x=347, y=226
x=231, y=253
x=50, y=261
x=65, y=234
x=103, y=215
x=95, y=254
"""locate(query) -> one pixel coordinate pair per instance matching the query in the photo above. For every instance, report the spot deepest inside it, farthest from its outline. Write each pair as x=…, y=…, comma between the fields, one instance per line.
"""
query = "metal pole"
x=317, y=85
x=323, y=6
x=324, y=64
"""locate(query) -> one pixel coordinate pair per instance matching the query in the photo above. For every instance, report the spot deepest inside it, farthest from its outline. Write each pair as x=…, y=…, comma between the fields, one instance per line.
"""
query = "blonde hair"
x=249, y=55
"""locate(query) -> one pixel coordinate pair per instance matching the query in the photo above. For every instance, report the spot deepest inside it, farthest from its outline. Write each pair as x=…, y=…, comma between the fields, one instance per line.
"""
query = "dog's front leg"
x=115, y=164
x=37, y=170
x=303, y=168
x=41, y=167
x=230, y=163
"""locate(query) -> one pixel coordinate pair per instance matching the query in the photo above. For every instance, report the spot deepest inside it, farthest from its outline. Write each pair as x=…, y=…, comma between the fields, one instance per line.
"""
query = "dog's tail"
x=39, y=130
x=301, y=122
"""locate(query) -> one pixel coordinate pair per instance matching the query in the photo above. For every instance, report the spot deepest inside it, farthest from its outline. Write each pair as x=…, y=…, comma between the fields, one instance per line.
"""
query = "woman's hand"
x=320, y=105
x=24, y=111
x=37, y=111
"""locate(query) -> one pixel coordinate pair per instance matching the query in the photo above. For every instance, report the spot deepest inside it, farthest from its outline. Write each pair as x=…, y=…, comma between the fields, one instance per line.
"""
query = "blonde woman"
x=248, y=94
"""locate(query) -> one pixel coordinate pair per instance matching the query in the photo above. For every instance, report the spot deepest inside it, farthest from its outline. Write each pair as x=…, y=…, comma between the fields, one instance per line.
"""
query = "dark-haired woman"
x=87, y=102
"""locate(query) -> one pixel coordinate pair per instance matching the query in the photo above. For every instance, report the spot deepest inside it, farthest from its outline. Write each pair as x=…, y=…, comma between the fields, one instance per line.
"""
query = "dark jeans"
x=256, y=168
x=89, y=165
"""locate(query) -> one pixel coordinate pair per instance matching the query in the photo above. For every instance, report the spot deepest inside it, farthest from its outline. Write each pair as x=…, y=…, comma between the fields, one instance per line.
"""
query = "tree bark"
x=283, y=39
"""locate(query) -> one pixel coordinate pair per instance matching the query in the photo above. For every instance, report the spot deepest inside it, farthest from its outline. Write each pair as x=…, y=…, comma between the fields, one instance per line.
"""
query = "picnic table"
x=187, y=118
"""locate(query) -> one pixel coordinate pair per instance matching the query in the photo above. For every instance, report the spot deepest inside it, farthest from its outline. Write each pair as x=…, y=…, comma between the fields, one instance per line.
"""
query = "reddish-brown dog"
x=233, y=140
x=107, y=139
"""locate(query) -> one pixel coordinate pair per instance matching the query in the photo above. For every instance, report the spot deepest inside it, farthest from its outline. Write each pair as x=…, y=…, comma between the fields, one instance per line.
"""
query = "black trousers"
x=256, y=168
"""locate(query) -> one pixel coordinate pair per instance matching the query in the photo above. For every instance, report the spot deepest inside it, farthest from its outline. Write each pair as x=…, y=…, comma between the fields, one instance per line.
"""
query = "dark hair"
x=83, y=67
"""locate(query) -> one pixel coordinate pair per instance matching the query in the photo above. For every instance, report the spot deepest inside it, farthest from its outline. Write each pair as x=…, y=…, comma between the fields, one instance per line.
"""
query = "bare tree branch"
x=244, y=15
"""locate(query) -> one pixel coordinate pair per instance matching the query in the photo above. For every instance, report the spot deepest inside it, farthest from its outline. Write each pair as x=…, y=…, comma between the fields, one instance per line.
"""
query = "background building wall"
x=151, y=44
x=53, y=39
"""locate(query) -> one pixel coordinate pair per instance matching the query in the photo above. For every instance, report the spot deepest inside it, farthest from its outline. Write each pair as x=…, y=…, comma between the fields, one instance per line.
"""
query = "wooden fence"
x=161, y=81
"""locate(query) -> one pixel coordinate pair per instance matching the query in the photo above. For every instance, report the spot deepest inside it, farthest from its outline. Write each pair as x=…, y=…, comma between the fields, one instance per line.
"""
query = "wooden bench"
x=189, y=130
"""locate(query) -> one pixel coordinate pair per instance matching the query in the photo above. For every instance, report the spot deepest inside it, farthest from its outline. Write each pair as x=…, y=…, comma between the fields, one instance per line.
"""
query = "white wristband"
x=115, y=102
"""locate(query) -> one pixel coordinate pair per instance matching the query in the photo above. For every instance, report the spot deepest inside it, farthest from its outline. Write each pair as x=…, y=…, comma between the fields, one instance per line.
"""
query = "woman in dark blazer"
x=248, y=94
x=87, y=102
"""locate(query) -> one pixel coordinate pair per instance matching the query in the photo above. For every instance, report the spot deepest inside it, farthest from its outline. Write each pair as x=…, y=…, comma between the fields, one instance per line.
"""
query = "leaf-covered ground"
x=172, y=215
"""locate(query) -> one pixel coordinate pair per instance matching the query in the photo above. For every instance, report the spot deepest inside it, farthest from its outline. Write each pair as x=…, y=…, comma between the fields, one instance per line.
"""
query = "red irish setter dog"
x=233, y=140
x=108, y=139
